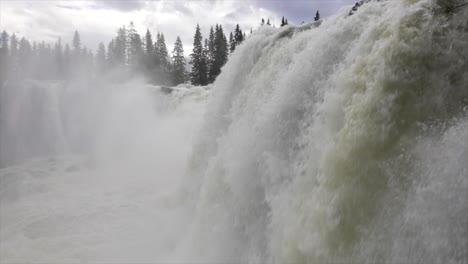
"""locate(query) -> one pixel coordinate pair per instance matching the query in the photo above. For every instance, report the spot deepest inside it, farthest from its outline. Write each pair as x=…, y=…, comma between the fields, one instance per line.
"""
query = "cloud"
x=121, y=5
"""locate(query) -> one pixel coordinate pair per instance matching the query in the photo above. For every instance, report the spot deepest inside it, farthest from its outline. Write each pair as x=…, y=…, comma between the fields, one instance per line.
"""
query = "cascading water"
x=344, y=142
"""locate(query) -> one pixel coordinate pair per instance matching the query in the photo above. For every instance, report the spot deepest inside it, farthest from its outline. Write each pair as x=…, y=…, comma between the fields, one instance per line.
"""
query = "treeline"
x=127, y=53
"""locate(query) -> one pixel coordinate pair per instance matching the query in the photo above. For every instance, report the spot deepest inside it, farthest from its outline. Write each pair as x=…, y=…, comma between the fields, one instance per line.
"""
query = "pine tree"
x=162, y=51
x=268, y=22
x=317, y=16
x=24, y=57
x=4, y=56
x=149, y=52
x=232, y=43
x=198, y=75
x=211, y=56
x=238, y=36
x=76, y=43
x=120, y=47
x=101, y=58
x=58, y=59
x=66, y=61
x=263, y=22
x=110, y=60
x=178, y=62
x=221, y=52
x=135, y=49
x=282, y=22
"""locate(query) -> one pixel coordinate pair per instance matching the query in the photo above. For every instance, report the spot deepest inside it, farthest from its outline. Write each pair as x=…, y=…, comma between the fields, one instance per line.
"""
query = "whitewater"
x=340, y=141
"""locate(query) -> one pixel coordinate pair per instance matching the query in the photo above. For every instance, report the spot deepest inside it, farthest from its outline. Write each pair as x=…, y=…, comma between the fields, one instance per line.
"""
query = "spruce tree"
x=149, y=52
x=134, y=48
x=110, y=59
x=66, y=61
x=198, y=75
x=317, y=16
x=232, y=43
x=120, y=47
x=101, y=58
x=282, y=22
x=238, y=36
x=268, y=22
x=24, y=57
x=4, y=56
x=58, y=59
x=211, y=56
x=178, y=62
x=76, y=43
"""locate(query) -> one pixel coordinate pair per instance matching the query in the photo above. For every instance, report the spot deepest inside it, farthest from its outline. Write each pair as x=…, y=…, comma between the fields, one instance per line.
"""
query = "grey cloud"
x=122, y=5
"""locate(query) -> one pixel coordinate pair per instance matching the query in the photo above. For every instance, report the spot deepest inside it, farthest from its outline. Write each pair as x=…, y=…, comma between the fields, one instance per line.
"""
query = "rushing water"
x=346, y=142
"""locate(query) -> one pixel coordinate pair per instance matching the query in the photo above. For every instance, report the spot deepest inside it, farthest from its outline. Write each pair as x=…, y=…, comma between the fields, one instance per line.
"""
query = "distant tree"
x=110, y=59
x=58, y=60
x=211, y=54
x=317, y=16
x=13, y=61
x=4, y=56
x=263, y=22
x=149, y=52
x=101, y=63
x=238, y=35
x=198, y=75
x=66, y=61
x=232, y=43
x=286, y=22
x=162, y=51
x=282, y=22
x=120, y=47
x=25, y=57
x=178, y=62
x=268, y=22
x=135, y=48
x=76, y=43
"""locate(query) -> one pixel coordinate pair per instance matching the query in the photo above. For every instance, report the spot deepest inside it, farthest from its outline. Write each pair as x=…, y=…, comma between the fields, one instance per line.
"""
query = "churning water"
x=346, y=142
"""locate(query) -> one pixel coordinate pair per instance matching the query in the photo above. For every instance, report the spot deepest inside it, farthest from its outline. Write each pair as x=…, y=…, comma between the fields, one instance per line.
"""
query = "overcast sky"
x=98, y=20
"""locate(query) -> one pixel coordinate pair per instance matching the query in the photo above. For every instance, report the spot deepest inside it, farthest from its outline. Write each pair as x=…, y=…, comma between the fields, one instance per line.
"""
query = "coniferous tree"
x=232, y=43
x=66, y=61
x=211, y=56
x=317, y=16
x=268, y=22
x=58, y=59
x=76, y=43
x=101, y=58
x=120, y=47
x=13, y=61
x=4, y=56
x=24, y=58
x=238, y=36
x=198, y=75
x=162, y=51
x=178, y=62
x=110, y=60
x=149, y=52
x=135, y=49
x=263, y=22
x=282, y=22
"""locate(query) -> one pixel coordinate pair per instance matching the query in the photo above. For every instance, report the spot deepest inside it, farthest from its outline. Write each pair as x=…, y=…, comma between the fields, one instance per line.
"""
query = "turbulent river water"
x=341, y=142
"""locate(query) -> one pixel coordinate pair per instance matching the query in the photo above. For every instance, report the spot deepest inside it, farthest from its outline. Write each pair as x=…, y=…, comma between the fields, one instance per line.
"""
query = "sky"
x=98, y=20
